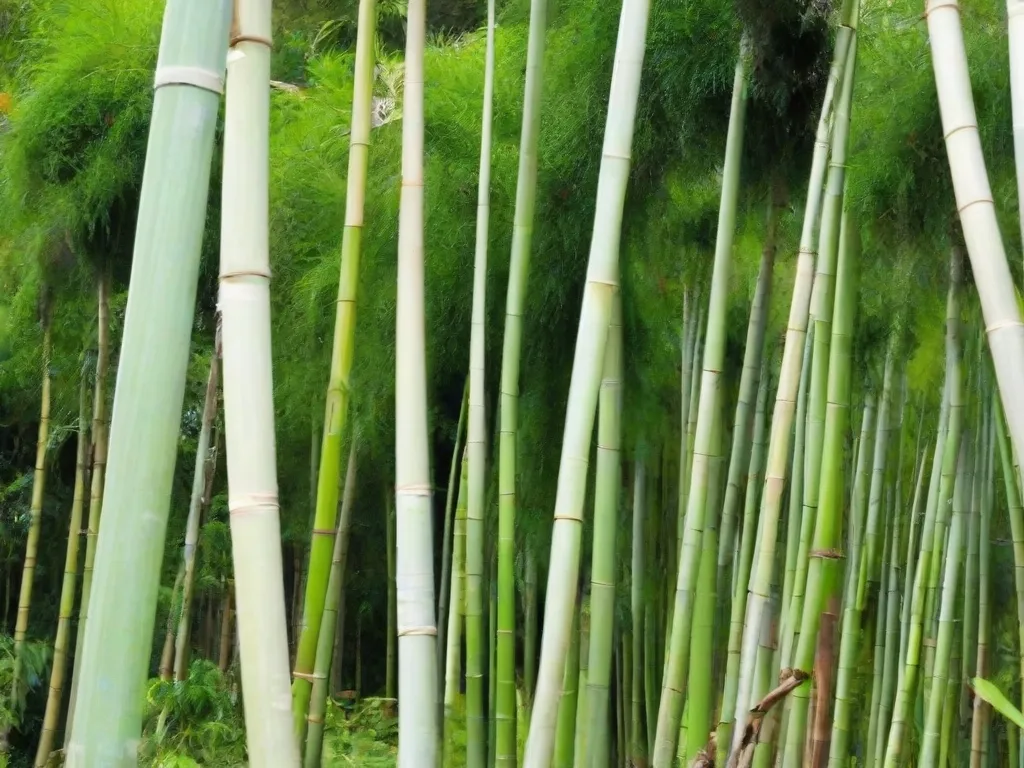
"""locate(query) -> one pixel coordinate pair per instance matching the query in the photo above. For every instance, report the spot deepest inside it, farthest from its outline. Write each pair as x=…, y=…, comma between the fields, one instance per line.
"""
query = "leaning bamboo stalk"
x=51, y=717
x=608, y=489
x=1016, y=514
x=673, y=688
x=204, y=455
x=584, y=385
x=1003, y=327
x=99, y=464
x=153, y=359
x=244, y=302
x=476, y=450
x=789, y=376
x=414, y=564
x=342, y=353
x=325, y=644
x=1015, y=34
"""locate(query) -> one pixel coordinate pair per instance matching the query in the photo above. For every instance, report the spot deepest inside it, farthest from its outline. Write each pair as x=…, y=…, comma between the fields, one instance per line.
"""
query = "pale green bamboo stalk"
x=909, y=569
x=949, y=733
x=744, y=560
x=585, y=383
x=445, y=610
x=51, y=718
x=891, y=645
x=244, y=300
x=696, y=349
x=608, y=489
x=823, y=572
x=457, y=605
x=688, y=338
x=794, y=517
x=742, y=431
x=677, y=667
x=981, y=711
x=638, y=747
x=700, y=698
x=969, y=607
x=414, y=565
x=144, y=429
x=822, y=301
x=325, y=644
x=946, y=447
x=871, y=542
x=878, y=658
x=947, y=619
x=776, y=467
x=1016, y=514
x=580, y=734
x=99, y=464
x=343, y=343
x=204, y=456
x=567, y=701
x=508, y=411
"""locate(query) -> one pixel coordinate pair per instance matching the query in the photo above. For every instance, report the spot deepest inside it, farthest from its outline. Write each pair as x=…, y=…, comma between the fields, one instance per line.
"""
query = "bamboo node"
x=195, y=76
x=414, y=489
x=1000, y=324
x=303, y=676
x=323, y=531
x=246, y=38
x=934, y=5
x=418, y=631
x=265, y=273
x=828, y=554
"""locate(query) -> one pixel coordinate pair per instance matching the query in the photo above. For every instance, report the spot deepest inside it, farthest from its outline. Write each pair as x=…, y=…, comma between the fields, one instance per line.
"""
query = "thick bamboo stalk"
x=99, y=464
x=673, y=688
x=776, y=468
x=342, y=352
x=608, y=489
x=585, y=383
x=153, y=359
x=205, y=455
x=580, y=734
x=1015, y=34
x=414, y=567
x=325, y=644
x=566, y=723
x=947, y=618
x=391, y=650
x=1003, y=327
x=512, y=342
x=824, y=656
x=248, y=392
x=51, y=718
x=823, y=573
x=28, y=569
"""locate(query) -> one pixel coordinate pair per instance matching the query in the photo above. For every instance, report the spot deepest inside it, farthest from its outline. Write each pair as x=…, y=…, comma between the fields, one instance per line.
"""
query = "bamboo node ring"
x=195, y=76
x=423, y=631
x=246, y=273
x=1001, y=324
x=977, y=200
x=414, y=490
x=303, y=675
x=957, y=129
x=245, y=38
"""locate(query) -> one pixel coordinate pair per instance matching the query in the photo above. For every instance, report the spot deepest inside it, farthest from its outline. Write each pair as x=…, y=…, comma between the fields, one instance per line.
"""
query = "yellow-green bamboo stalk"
x=1016, y=515
x=51, y=717
x=638, y=746
x=457, y=605
x=99, y=464
x=585, y=383
x=981, y=710
x=414, y=564
x=151, y=384
x=677, y=663
x=342, y=352
x=244, y=302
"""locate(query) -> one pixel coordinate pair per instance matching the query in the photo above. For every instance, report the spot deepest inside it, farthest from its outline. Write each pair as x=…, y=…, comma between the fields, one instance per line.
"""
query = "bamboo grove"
x=784, y=523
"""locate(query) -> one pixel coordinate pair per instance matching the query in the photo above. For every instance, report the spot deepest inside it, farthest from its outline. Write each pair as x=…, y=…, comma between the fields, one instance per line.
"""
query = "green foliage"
x=35, y=669
x=991, y=694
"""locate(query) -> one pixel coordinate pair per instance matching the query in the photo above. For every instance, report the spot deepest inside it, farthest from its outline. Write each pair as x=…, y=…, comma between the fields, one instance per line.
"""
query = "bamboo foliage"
x=584, y=385
x=153, y=359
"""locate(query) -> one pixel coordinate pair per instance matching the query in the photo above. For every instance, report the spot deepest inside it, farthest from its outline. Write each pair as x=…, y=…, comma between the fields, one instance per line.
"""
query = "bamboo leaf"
x=990, y=693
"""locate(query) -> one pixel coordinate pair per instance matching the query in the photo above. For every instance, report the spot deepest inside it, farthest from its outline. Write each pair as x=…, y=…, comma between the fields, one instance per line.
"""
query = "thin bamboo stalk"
x=677, y=667
x=981, y=711
x=580, y=734
x=153, y=359
x=166, y=668
x=457, y=607
x=584, y=385
x=51, y=718
x=227, y=616
x=567, y=701
x=638, y=747
x=342, y=353
x=1016, y=514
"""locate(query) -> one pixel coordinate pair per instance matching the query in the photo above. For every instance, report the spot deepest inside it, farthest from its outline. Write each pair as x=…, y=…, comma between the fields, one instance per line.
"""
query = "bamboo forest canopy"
x=76, y=96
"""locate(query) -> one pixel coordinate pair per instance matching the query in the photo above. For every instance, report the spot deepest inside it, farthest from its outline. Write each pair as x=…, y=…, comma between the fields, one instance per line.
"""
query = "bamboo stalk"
x=154, y=358
x=638, y=746
x=457, y=606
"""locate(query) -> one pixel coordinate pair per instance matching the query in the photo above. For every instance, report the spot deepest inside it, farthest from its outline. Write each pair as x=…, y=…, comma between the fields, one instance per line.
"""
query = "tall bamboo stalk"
x=325, y=644
x=414, y=568
x=824, y=570
x=566, y=721
x=1003, y=327
x=585, y=383
x=154, y=359
x=204, y=455
x=1016, y=514
x=457, y=605
x=891, y=644
x=512, y=343
x=35, y=524
x=342, y=352
x=981, y=711
x=1015, y=34
x=789, y=377
x=875, y=501
x=99, y=464
x=248, y=392
x=608, y=489
x=638, y=746
x=674, y=681
x=51, y=717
